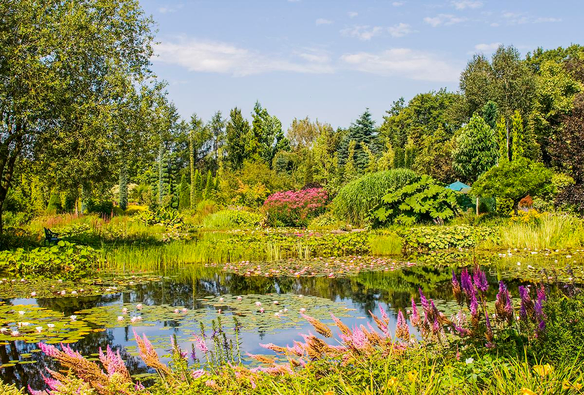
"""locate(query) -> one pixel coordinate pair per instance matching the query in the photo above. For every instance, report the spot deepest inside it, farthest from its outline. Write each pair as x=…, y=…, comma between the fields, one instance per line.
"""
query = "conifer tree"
x=350, y=170
x=502, y=140
x=238, y=131
x=123, y=193
x=518, y=139
x=184, y=200
x=372, y=164
x=489, y=113
x=198, y=188
x=208, y=186
x=362, y=132
x=387, y=158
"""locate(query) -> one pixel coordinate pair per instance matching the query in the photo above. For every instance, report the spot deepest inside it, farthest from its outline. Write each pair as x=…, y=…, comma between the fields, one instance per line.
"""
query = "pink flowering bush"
x=295, y=208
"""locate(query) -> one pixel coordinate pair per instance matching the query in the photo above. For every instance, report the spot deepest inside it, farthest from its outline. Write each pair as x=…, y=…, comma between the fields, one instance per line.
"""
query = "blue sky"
x=331, y=59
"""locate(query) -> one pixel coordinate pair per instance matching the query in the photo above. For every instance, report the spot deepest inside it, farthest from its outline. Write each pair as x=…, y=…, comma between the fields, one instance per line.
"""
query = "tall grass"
x=551, y=231
x=357, y=198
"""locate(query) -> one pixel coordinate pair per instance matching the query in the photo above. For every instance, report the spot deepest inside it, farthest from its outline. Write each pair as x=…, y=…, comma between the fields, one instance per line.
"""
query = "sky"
x=331, y=59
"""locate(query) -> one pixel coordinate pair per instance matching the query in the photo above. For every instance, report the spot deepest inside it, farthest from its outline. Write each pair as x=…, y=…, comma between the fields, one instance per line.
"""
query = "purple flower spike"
x=466, y=282
x=423, y=300
x=415, y=318
x=474, y=304
x=480, y=280
x=527, y=306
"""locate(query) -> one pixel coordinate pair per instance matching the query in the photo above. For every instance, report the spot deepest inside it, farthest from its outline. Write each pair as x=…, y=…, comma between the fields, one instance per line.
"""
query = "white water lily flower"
x=120, y=318
x=33, y=294
x=21, y=312
x=73, y=317
x=39, y=329
x=15, y=333
x=469, y=360
x=50, y=326
x=258, y=304
x=139, y=306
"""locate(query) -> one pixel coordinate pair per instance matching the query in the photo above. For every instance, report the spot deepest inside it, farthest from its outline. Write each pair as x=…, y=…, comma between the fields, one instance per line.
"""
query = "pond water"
x=175, y=301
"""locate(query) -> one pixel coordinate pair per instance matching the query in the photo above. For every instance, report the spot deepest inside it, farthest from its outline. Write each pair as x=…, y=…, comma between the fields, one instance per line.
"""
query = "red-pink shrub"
x=295, y=208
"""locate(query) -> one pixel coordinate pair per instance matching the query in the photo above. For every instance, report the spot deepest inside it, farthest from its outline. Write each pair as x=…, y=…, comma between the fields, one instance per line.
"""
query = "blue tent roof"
x=458, y=186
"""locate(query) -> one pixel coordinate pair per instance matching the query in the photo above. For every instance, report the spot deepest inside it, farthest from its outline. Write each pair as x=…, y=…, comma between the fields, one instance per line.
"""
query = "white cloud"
x=397, y=3
x=416, y=65
x=219, y=57
x=364, y=33
x=487, y=48
x=443, y=19
x=322, y=21
x=463, y=4
x=352, y=14
x=169, y=9
x=522, y=18
x=400, y=30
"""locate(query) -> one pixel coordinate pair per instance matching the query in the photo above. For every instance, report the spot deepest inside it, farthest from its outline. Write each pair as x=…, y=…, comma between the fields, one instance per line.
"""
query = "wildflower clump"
x=295, y=208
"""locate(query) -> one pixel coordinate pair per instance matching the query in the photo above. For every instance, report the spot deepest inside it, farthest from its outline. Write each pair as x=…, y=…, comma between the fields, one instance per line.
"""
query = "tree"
x=303, y=133
x=238, y=131
x=518, y=139
x=217, y=129
x=502, y=139
x=513, y=180
x=184, y=199
x=476, y=149
x=208, y=186
x=266, y=137
x=489, y=113
x=362, y=132
x=65, y=93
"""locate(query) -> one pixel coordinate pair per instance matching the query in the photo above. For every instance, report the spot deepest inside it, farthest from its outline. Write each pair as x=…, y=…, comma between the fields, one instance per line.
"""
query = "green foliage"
x=361, y=133
x=476, y=149
x=513, y=180
x=421, y=201
x=518, y=137
x=168, y=218
x=65, y=260
x=230, y=219
x=184, y=194
x=356, y=199
x=427, y=238
x=238, y=130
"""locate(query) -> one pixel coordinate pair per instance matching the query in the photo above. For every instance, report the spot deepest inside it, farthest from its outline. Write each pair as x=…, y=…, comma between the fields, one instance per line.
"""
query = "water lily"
x=221, y=300
x=15, y=333
x=120, y=318
x=258, y=304
x=302, y=310
x=276, y=302
x=21, y=312
x=262, y=310
x=176, y=311
x=469, y=361
x=50, y=326
x=73, y=292
x=124, y=311
x=139, y=306
x=63, y=292
x=39, y=329
x=33, y=294
x=239, y=298
x=184, y=310
x=73, y=317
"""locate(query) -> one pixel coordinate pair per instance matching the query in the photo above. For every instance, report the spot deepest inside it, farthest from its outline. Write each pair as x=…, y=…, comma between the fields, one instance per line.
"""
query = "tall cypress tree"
x=518, y=136
x=208, y=186
x=502, y=140
x=184, y=201
x=238, y=131
x=123, y=186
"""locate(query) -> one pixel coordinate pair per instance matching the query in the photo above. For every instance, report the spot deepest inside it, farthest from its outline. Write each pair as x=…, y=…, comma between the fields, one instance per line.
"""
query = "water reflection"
x=185, y=286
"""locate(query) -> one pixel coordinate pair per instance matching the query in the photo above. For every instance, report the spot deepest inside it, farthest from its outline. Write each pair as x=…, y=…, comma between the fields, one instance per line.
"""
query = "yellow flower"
x=392, y=382
x=566, y=385
x=329, y=393
x=543, y=370
x=412, y=376
x=526, y=391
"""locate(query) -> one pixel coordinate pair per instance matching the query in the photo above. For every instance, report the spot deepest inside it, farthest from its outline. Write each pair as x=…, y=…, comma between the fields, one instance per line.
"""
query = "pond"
x=176, y=301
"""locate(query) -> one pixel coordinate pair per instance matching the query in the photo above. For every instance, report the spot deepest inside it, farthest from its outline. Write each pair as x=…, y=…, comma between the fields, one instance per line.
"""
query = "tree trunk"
x=478, y=202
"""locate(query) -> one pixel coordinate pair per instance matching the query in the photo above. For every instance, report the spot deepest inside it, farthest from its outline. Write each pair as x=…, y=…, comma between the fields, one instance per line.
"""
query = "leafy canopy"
x=514, y=180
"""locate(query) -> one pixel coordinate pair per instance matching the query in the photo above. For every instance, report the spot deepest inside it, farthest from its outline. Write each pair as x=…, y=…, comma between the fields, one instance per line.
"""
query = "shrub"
x=64, y=259
x=226, y=219
x=422, y=201
x=292, y=208
x=356, y=199
x=428, y=238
